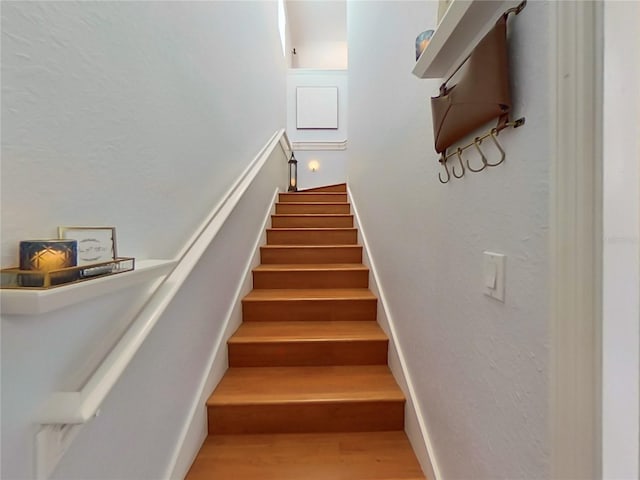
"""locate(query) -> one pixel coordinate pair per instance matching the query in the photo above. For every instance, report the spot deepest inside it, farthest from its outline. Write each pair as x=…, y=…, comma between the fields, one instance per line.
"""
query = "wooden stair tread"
x=307, y=456
x=312, y=229
x=304, y=267
x=278, y=331
x=312, y=215
x=311, y=192
x=276, y=254
x=312, y=236
x=311, y=203
x=313, y=197
x=303, y=194
x=302, y=343
x=310, y=294
x=295, y=385
x=312, y=207
x=311, y=220
x=306, y=247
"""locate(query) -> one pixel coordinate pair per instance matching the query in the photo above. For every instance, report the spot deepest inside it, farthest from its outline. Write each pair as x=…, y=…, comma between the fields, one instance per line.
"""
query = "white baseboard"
x=194, y=431
x=415, y=425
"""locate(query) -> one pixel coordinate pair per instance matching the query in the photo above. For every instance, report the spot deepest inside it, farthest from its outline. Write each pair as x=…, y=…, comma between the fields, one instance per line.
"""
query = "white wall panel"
x=479, y=366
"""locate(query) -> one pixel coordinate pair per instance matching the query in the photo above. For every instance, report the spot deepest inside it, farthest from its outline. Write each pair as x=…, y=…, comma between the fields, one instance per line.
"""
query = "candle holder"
x=47, y=256
x=293, y=174
x=17, y=278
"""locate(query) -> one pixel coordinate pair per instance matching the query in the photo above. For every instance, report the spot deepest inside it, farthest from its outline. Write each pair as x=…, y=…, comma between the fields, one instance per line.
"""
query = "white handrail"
x=64, y=408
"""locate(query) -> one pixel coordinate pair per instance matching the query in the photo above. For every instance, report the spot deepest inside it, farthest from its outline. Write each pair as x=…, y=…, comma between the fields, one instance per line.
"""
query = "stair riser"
x=311, y=255
x=312, y=237
x=312, y=197
x=329, y=416
x=313, y=222
x=308, y=353
x=292, y=208
x=309, y=310
x=313, y=279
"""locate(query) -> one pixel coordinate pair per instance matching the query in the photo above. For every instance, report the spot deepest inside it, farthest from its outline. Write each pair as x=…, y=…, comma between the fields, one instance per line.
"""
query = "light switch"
x=490, y=273
x=493, y=275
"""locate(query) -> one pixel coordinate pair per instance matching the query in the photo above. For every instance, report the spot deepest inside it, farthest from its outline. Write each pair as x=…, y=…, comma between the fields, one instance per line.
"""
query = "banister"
x=67, y=408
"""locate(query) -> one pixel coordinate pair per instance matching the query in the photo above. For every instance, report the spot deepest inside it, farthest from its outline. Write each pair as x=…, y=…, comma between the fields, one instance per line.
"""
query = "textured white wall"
x=138, y=115
x=621, y=244
x=133, y=114
x=479, y=367
x=333, y=162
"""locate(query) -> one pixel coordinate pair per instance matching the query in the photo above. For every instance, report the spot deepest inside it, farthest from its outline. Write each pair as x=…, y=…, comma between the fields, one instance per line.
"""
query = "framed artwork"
x=317, y=108
x=95, y=244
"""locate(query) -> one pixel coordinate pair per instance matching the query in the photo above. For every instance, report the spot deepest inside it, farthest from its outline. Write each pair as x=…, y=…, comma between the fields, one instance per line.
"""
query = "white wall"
x=318, y=33
x=133, y=114
x=332, y=162
x=621, y=312
x=324, y=55
x=479, y=366
x=332, y=168
x=138, y=115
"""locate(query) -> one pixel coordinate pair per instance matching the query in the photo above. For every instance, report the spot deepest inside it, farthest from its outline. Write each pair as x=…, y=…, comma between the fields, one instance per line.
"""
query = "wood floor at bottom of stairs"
x=307, y=456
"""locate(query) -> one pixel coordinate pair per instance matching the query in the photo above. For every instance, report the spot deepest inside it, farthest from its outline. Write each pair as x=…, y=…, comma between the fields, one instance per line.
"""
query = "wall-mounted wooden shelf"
x=464, y=24
x=35, y=302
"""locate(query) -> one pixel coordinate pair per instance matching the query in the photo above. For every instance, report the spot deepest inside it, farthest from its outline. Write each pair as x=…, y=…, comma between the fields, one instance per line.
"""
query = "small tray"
x=14, y=278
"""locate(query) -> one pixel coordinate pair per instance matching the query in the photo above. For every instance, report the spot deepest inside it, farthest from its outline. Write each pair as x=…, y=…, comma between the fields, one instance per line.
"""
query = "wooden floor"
x=308, y=393
x=304, y=456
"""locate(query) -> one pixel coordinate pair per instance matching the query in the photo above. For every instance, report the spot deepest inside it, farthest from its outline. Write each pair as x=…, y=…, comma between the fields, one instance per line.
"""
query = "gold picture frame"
x=95, y=244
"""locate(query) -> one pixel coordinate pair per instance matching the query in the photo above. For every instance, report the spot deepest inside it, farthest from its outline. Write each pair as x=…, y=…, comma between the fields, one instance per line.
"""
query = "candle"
x=48, y=255
x=44, y=256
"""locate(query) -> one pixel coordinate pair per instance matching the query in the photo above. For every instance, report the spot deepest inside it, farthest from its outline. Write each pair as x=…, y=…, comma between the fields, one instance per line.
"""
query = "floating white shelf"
x=464, y=24
x=34, y=302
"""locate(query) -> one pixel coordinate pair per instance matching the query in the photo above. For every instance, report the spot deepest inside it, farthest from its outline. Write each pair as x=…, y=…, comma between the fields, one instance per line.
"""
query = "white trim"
x=423, y=446
x=285, y=144
x=575, y=235
x=194, y=431
x=319, y=146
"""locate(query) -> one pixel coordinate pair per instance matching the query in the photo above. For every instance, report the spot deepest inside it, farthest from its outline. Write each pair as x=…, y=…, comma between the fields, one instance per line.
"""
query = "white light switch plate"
x=493, y=270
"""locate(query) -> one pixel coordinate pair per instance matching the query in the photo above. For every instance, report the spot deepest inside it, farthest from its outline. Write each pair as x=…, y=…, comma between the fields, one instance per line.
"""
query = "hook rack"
x=493, y=134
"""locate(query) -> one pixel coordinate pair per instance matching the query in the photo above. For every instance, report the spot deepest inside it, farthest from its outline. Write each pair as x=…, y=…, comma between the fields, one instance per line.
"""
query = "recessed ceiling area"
x=318, y=33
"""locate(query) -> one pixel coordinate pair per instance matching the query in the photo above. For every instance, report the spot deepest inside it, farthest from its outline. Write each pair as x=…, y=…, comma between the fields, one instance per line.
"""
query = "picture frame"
x=95, y=244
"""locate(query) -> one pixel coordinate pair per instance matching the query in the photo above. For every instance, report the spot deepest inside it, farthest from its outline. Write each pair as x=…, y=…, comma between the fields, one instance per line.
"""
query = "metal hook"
x=503, y=155
x=476, y=142
x=517, y=9
x=443, y=161
x=459, y=154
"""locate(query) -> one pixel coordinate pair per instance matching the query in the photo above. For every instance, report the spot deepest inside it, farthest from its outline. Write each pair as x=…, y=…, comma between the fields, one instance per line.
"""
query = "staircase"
x=308, y=394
